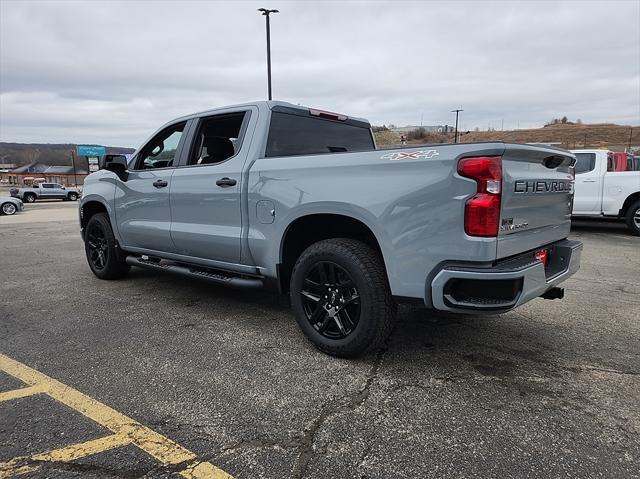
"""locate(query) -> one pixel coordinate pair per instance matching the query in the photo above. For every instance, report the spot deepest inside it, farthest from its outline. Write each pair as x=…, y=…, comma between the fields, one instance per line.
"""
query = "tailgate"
x=537, y=198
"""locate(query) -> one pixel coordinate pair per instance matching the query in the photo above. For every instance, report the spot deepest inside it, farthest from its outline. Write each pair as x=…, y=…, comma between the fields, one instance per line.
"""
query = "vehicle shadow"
x=490, y=345
x=599, y=225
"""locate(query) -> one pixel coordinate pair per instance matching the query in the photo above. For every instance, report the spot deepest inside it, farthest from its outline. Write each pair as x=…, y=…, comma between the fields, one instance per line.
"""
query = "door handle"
x=160, y=183
x=588, y=181
x=226, y=182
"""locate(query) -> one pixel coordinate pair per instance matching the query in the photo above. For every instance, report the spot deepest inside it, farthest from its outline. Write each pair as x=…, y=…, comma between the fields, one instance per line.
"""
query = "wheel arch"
x=305, y=230
x=90, y=207
x=631, y=199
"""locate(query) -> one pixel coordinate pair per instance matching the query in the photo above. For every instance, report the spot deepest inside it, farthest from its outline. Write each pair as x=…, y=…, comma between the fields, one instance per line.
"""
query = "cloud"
x=112, y=72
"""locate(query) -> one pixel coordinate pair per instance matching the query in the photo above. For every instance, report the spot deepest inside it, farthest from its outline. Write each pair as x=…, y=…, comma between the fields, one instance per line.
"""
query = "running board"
x=213, y=276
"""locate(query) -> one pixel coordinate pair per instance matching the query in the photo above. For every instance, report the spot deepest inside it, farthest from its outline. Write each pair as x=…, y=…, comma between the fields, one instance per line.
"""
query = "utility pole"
x=630, y=135
x=457, y=112
x=266, y=12
x=73, y=162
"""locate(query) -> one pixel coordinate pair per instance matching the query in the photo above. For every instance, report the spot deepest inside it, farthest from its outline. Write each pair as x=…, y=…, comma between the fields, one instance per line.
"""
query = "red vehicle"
x=620, y=161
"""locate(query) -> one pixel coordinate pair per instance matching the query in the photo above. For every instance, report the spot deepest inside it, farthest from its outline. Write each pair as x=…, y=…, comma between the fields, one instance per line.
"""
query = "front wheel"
x=72, y=196
x=633, y=218
x=29, y=198
x=8, y=209
x=101, y=249
x=341, y=297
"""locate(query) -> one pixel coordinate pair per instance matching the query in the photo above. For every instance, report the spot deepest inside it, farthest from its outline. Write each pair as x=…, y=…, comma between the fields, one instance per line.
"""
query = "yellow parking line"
x=21, y=392
x=21, y=465
x=76, y=451
x=13, y=468
x=162, y=448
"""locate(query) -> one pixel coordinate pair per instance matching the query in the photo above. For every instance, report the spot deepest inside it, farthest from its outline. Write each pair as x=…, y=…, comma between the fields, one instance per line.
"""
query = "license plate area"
x=557, y=261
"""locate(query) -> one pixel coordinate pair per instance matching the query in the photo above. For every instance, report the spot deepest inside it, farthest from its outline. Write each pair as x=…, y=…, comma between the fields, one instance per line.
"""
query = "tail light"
x=542, y=255
x=482, y=212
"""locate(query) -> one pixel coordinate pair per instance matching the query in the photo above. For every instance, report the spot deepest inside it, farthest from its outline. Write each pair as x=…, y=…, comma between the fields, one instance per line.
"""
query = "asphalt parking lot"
x=225, y=376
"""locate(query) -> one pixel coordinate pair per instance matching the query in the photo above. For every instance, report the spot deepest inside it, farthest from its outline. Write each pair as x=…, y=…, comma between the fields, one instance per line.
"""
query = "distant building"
x=39, y=172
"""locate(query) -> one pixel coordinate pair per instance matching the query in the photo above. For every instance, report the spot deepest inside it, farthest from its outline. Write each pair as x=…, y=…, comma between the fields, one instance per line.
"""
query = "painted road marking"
x=21, y=393
x=125, y=429
x=21, y=465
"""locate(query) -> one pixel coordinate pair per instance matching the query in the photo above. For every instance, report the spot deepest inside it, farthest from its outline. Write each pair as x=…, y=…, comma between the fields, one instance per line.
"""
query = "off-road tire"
x=29, y=198
x=633, y=218
x=377, y=308
x=115, y=266
x=72, y=196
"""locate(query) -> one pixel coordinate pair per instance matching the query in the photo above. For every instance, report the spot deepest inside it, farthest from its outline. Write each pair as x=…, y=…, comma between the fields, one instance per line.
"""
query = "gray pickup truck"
x=45, y=191
x=270, y=194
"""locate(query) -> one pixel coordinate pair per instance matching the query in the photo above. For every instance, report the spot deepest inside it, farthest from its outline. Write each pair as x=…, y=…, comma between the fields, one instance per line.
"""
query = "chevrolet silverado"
x=299, y=200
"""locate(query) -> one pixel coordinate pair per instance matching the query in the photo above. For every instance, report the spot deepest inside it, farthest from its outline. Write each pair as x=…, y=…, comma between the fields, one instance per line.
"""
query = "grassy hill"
x=570, y=136
x=50, y=154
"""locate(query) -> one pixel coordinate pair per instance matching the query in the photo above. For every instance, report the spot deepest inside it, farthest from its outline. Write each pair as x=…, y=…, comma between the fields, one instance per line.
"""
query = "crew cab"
x=45, y=191
x=299, y=200
x=601, y=191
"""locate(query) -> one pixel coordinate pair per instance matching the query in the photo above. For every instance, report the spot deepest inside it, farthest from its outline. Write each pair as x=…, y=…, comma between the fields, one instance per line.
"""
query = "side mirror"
x=116, y=163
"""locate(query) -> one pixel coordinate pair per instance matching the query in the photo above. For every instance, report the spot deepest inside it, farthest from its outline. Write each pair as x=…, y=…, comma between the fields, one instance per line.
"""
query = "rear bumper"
x=509, y=284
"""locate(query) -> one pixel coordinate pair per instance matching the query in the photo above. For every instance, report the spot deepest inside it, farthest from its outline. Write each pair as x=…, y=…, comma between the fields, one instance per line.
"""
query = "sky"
x=112, y=72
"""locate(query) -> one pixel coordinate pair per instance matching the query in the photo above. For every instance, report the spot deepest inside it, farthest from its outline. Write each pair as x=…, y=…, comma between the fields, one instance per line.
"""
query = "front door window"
x=161, y=151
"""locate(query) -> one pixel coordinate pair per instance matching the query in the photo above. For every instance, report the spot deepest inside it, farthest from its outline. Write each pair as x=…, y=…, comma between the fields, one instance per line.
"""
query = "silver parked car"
x=45, y=191
x=9, y=205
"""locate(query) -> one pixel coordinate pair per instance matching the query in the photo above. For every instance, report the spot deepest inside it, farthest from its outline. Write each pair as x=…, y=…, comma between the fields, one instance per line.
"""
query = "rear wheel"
x=8, y=209
x=341, y=297
x=29, y=198
x=101, y=249
x=633, y=218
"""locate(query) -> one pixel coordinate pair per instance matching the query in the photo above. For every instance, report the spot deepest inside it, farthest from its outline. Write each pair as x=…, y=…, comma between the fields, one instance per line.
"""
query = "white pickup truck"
x=603, y=193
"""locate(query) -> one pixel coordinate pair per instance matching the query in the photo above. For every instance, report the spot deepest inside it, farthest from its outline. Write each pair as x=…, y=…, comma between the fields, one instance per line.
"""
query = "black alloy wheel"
x=331, y=301
x=101, y=248
x=341, y=297
x=97, y=246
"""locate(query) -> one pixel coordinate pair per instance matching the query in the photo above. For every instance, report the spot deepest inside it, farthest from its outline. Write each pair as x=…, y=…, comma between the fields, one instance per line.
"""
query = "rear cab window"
x=297, y=131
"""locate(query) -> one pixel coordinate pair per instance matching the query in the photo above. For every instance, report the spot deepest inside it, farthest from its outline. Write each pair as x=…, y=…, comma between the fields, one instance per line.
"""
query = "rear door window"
x=218, y=139
x=585, y=162
x=291, y=135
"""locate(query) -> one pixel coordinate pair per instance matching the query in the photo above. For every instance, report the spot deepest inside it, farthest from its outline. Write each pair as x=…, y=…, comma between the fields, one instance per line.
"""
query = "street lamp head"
x=266, y=11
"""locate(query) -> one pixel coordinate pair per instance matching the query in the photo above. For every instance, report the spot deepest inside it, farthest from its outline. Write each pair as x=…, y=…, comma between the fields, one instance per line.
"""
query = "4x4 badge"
x=411, y=155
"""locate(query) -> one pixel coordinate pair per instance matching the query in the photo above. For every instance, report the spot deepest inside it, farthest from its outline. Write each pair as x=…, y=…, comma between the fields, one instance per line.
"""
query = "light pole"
x=457, y=112
x=266, y=12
